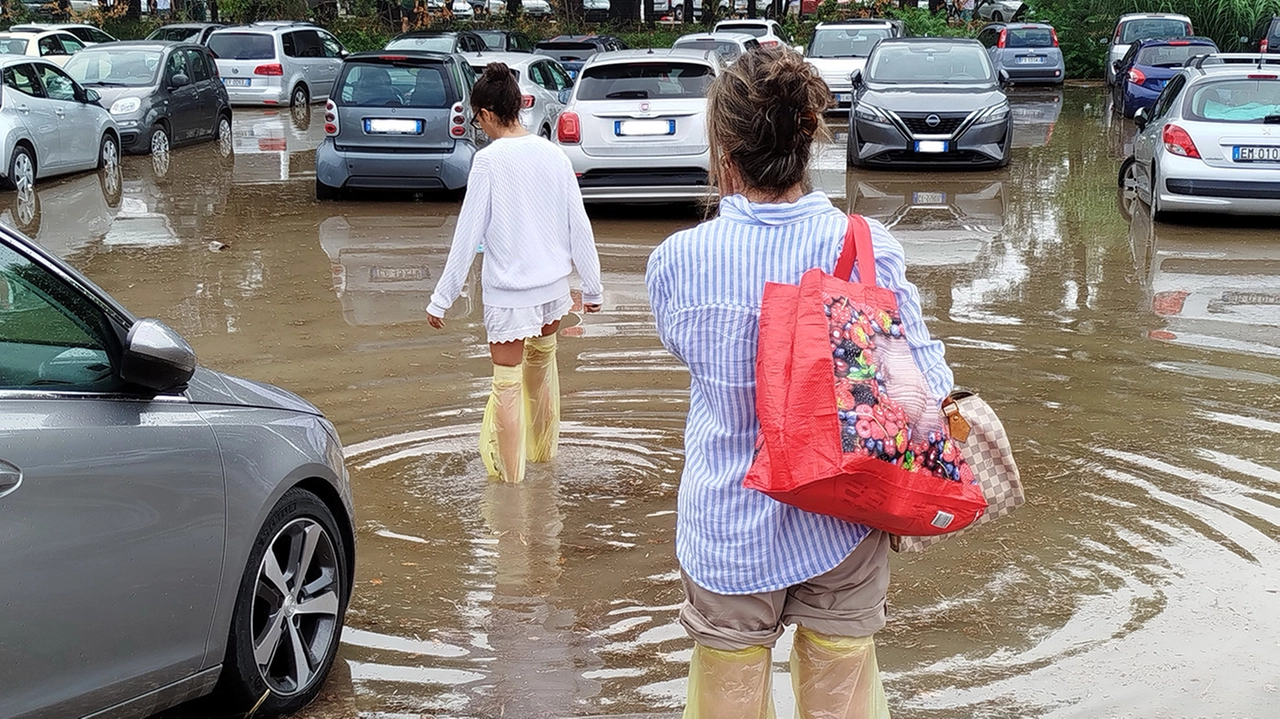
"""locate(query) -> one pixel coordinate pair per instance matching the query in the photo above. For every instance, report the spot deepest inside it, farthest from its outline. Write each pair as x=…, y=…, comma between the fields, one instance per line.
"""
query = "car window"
x=561, y=77
x=24, y=79
x=177, y=65
x=1172, y=55
x=134, y=68
x=521, y=42
x=1239, y=100
x=330, y=45
x=845, y=41
x=1029, y=37
x=492, y=38
x=1275, y=33
x=753, y=30
x=57, y=85
x=197, y=68
x=98, y=36
x=1167, y=97
x=70, y=43
x=469, y=76
x=13, y=46
x=243, y=46
x=175, y=34
x=538, y=75
x=430, y=43
x=49, y=46
x=51, y=337
x=729, y=51
x=398, y=85
x=944, y=63
x=306, y=43
x=1147, y=28
x=988, y=37
x=645, y=81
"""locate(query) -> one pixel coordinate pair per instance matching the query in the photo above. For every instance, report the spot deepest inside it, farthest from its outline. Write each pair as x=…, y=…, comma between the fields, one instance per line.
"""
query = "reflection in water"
x=274, y=146
x=1035, y=113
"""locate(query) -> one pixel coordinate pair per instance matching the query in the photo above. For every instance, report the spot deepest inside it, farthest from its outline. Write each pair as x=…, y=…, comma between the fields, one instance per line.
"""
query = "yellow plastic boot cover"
x=836, y=677
x=725, y=684
x=502, y=433
x=542, y=398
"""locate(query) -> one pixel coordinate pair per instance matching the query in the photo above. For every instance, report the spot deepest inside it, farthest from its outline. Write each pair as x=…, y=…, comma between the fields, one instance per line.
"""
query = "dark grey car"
x=161, y=94
x=929, y=102
x=163, y=527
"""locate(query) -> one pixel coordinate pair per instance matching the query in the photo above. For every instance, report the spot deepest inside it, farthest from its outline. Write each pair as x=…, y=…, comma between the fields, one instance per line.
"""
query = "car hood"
x=210, y=387
x=929, y=98
x=110, y=94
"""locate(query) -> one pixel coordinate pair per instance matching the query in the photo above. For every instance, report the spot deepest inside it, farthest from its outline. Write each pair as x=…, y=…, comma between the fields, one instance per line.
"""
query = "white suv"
x=277, y=63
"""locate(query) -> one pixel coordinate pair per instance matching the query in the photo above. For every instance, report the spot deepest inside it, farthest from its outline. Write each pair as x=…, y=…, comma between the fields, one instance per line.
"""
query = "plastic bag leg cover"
x=502, y=433
x=730, y=684
x=836, y=677
x=542, y=396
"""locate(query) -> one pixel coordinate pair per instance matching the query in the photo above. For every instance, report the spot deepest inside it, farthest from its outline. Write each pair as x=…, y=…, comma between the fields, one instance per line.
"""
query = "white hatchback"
x=636, y=126
x=56, y=46
x=544, y=86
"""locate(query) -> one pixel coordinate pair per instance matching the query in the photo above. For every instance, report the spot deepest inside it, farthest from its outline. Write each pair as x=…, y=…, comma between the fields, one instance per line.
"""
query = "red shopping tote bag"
x=848, y=427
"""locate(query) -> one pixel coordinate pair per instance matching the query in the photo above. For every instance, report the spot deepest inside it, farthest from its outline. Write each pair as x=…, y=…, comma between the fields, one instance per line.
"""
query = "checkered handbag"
x=985, y=446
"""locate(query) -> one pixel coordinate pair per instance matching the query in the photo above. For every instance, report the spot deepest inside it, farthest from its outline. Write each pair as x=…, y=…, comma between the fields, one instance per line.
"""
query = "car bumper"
x=1022, y=75
x=257, y=95
x=359, y=169
x=1190, y=185
x=876, y=144
x=681, y=178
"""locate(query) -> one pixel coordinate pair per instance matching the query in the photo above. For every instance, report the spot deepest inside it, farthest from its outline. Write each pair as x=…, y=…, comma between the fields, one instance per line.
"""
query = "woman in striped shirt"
x=750, y=564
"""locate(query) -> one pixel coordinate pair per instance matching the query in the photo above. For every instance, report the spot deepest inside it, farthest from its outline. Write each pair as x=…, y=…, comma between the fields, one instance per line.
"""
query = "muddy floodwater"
x=1136, y=366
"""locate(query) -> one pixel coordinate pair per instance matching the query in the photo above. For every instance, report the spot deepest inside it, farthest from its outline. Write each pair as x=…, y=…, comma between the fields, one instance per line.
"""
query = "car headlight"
x=993, y=114
x=871, y=113
x=125, y=106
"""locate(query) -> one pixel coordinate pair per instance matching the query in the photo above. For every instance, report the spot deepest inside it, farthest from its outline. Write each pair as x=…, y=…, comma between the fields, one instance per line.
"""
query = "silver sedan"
x=164, y=528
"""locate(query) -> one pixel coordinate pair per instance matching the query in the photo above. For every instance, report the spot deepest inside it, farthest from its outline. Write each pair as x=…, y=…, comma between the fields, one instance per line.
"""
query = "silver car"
x=999, y=10
x=164, y=528
x=728, y=45
x=636, y=127
x=1211, y=143
x=544, y=85
x=1142, y=26
x=1028, y=52
x=50, y=125
x=277, y=63
x=839, y=48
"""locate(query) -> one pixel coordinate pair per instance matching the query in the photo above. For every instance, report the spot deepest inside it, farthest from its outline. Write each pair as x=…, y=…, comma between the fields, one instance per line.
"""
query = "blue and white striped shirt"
x=705, y=285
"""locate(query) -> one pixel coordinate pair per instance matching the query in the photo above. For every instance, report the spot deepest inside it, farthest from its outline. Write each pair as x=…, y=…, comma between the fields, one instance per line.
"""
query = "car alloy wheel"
x=300, y=97
x=108, y=154
x=297, y=599
x=159, y=139
x=23, y=174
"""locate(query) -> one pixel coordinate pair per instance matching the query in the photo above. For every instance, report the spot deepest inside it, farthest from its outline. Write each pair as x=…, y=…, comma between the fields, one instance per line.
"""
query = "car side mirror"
x=179, y=80
x=1141, y=118
x=157, y=358
x=1116, y=66
x=91, y=97
x=565, y=95
x=800, y=49
x=1003, y=74
x=1244, y=39
x=855, y=78
x=1104, y=41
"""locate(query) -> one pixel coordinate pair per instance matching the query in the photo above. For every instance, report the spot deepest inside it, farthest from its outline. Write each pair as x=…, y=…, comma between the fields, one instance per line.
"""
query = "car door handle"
x=23, y=109
x=10, y=478
x=60, y=112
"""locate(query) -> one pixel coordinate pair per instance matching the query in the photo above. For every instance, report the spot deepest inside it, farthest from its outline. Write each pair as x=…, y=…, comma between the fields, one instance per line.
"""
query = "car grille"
x=919, y=125
x=906, y=157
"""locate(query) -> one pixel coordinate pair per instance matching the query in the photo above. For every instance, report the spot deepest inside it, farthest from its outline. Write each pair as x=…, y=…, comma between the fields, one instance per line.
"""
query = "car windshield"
x=242, y=46
x=645, y=81
x=752, y=29
x=1243, y=100
x=429, y=43
x=175, y=34
x=1171, y=55
x=1029, y=37
x=13, y=46
x=927, y=63
x=394, y=85
x=479, y=69
x=492, y=39
x=723, y=48
x=846, y=41
x=132, y=68
x=1147, y=28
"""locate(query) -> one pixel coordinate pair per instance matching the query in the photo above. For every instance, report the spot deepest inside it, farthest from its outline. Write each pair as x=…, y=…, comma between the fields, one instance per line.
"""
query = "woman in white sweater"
x=524, y=207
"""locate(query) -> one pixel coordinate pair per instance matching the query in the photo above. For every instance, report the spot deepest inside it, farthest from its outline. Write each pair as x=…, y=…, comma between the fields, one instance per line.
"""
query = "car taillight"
x=768, y=43
x=273, y=68
x=330, y=118
x=458, y=121
x=1177, y=141
x=526, y=101
x=1265, y=44
x=569, y=129
x=1136, y=76
x=1054, y=33
x=1169, y=303
x=1004, y=36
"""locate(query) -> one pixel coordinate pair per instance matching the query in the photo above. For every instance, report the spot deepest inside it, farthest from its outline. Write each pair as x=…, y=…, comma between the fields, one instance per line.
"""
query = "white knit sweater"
x=524, y=205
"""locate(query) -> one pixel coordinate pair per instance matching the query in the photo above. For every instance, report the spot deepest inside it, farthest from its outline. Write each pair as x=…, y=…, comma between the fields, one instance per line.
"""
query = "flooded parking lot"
x=1136, y=365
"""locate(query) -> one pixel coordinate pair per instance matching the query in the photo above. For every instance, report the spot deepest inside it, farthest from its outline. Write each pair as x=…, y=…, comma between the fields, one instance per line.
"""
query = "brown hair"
x=763, y=114
x=498, y=92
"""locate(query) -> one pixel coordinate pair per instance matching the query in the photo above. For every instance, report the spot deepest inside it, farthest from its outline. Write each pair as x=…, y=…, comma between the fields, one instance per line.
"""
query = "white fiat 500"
x=635, y=128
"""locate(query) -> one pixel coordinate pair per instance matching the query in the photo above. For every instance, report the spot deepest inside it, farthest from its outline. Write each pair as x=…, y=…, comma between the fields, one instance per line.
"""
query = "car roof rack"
x=283, y=23
x=1233, y=58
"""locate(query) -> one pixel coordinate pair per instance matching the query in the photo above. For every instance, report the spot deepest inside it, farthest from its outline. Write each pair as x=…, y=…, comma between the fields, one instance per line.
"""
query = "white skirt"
x=508, y=324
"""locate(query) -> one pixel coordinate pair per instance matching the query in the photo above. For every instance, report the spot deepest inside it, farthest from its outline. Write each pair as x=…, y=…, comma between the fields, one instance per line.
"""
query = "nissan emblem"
x=932, y=120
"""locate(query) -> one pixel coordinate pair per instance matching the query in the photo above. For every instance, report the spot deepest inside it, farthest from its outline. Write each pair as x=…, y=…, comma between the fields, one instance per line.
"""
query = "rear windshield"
x=1029, y=37
x=175, y=34
x=242, y=46
x=753, y=30
x=723, y=48
x=431, y=43
x=12, y=46
x=479, y=70
x=134, y=68
x=1236, y=101
x=1148, y=28
x=846, y=42
x=930, y=64
x=645, y=81
x=1172, y=55
x=398, y=85
x=492, y=39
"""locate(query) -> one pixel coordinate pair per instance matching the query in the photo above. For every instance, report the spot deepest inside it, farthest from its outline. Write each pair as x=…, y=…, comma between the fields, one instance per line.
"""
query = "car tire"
x=323, y=583
x=545, y=132
x=326, y=192
x=1157, y=214
x=108, y=152
x=22, y=168
x=299, y=96
x=159, y=139
x=679, y=14
x=1127, y=174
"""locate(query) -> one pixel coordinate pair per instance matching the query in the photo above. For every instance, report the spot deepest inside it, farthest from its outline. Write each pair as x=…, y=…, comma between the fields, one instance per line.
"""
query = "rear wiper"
x=108, y=83
x=628, y=95
x=1271, y=120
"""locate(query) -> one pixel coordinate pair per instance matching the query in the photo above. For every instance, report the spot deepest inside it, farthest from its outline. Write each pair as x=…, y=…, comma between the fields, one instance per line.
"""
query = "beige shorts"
x=847, y=601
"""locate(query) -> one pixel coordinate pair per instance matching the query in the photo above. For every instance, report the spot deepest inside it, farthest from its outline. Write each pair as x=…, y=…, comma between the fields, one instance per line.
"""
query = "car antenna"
x=651, y=52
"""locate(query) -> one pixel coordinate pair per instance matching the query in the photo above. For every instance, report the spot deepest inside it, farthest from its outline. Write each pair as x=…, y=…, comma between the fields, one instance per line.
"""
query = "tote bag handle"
x=857, y=249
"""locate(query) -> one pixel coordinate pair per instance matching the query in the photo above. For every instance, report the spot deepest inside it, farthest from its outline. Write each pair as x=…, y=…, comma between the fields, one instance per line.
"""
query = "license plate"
x=931, y=146
x=928, y=198
x=235, y=81
x=391, y=126
x=398, y=274
x=1254, y=153
x=843, y=98
x=644, y=128
x=1031, y=60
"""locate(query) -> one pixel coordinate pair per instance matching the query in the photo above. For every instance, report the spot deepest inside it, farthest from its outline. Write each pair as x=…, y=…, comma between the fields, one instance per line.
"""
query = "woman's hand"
x=437, y=322
x=591, y=309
